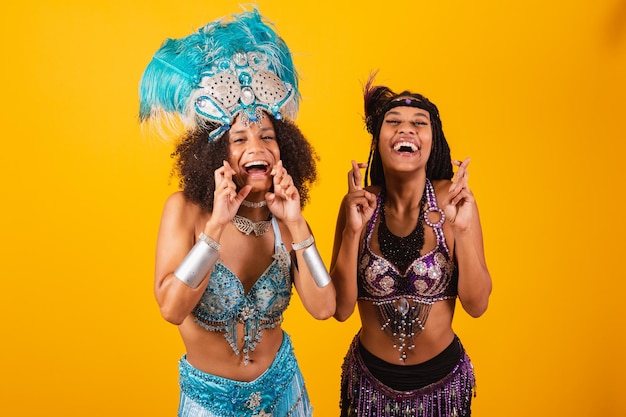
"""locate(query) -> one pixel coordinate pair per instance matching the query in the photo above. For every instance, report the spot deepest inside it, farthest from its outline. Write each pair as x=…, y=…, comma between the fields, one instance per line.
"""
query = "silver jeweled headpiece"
x=226, y=69
x=243, y=85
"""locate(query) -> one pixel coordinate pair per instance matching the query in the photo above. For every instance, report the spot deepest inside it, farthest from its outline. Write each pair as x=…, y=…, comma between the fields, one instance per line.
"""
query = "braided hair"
x=378, y=100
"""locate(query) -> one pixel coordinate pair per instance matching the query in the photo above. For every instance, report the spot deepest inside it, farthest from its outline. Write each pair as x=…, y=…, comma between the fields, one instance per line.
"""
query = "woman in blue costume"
x=406, y=247
x=233, y=242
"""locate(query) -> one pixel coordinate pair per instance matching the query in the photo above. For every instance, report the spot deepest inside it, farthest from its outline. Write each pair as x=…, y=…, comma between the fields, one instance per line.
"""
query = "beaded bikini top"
x=224, y=303
x=404, y=300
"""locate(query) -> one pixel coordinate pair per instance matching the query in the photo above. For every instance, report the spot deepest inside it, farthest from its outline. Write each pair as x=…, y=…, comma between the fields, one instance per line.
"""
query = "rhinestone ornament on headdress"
x=242, y=86
x=228, y=68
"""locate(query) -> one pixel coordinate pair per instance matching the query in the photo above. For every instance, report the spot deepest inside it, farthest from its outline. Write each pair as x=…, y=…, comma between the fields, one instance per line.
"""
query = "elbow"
x=476, y=311
x=343, y=314
x=323, y=314
x=340, y=318
x=475, y=298
x=172, y=315
x=476, y=307
x=325, y=311
x=172, y=304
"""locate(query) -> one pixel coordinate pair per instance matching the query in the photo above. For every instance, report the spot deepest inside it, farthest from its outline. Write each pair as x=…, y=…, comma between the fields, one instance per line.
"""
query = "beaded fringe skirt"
x=362, y=395
x=278, y=392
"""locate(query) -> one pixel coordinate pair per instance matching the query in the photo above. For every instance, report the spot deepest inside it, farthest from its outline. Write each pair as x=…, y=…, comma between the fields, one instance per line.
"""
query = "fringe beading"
x=362, y=395
x=278, y=392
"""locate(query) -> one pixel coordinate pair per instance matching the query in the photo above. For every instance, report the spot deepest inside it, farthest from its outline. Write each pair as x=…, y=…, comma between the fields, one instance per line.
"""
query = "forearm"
x=318, y=301
x=474, y=285
x=311, y=274
x=344, y=274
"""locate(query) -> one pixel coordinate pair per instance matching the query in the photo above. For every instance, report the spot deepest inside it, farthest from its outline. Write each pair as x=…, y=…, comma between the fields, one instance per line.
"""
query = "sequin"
x=434, y=272
x=240, y=59
x=386, y=283
x=362, y=395
x=278, y=392
x=268, y=88
x=242, y=85
x=420, y=268
x=224, y=303
x=254, y=401
x=429, y=278
x=223, y=87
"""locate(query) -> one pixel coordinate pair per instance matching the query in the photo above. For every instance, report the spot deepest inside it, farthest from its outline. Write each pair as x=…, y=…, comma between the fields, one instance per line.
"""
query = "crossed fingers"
x=283, y=182
x=460, y=180
x=354, y=176
x=224, y=183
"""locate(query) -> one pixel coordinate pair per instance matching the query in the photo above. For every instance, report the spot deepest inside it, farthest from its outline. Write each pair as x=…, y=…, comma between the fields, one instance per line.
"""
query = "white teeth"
x=409, y=145
x=256, y=163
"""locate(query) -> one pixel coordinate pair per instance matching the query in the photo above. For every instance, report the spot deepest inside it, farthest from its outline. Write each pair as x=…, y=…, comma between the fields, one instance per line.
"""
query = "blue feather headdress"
x=228, y=68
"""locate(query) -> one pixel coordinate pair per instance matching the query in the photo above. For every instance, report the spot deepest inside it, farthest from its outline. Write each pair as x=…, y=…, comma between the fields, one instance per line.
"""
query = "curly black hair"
x=378, y=100
x=197, y=159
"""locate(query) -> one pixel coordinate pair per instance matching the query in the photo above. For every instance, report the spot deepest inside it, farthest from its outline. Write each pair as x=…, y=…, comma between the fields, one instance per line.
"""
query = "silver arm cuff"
x=197, y=264
x=316, y=266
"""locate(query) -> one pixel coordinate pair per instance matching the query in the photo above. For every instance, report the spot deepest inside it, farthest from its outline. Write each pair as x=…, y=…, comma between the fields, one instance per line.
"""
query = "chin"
x=259, y=185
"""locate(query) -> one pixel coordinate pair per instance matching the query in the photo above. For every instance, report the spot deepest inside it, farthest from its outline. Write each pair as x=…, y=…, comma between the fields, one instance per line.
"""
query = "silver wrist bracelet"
x=304, y=244
x=198, y=262
x=209, y=241
x=316, y=266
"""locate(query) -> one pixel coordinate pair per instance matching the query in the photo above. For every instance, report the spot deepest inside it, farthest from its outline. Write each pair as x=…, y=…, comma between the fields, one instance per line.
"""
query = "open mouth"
x=257, y=167
x=406, y=147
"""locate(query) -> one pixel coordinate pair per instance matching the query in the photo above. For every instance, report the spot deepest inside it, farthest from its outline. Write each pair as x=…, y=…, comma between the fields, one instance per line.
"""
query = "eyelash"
x=267, y=137
x=416, y=123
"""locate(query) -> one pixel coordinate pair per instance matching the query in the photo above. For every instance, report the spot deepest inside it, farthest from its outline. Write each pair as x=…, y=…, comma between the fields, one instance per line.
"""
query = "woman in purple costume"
x=406, y=246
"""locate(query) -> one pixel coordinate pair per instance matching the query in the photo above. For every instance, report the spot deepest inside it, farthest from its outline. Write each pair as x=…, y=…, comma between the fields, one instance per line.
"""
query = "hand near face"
x=460, y=208
x=284, y=202
x=226, y=200
x=360, y=204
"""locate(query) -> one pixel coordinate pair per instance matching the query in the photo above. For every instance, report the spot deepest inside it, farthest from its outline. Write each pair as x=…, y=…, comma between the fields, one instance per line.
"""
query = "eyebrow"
x=419, y=112
x=263, y=129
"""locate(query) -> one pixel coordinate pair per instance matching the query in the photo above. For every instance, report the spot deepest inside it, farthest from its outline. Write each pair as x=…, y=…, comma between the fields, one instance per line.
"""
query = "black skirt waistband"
x=410, y=377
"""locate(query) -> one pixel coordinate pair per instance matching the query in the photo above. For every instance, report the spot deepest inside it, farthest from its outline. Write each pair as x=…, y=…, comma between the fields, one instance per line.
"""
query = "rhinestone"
x=403, y=306
x=245, y=78
x=240, y=59
x=247, y=96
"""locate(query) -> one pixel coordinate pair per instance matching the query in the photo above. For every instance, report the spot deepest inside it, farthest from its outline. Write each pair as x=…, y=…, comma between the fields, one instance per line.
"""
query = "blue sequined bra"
x=225, y=304
x=404, y=300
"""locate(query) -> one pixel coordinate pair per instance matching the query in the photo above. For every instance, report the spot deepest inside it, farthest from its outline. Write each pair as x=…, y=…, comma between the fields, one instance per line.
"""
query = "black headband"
x=405, y=102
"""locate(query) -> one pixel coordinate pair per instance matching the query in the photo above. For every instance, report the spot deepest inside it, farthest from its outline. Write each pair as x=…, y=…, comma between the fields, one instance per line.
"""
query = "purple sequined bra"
x=404, y=300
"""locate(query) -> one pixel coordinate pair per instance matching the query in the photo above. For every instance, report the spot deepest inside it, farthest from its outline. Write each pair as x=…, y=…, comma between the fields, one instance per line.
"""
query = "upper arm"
x=175, y=237
x=339, y=226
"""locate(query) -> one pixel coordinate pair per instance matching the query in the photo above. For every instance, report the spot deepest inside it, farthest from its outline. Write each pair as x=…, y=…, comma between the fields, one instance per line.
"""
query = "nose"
x=407, y=127
x=255, y=144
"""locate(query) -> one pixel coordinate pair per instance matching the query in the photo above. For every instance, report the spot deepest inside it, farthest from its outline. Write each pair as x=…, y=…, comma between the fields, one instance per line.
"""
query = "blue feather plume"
x=179, y=64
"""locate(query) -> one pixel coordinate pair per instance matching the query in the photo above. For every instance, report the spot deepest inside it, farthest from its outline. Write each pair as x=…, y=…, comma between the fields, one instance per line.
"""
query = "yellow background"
x=532, y=90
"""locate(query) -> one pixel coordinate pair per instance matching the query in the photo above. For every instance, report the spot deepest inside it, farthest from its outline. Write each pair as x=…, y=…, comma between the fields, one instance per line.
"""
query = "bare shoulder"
x=441, y=185
x=176, y=200
x=180, y=209
x=441, y=189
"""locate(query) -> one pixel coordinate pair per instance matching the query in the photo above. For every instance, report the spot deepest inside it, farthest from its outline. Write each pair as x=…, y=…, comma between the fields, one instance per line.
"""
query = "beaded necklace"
x=401, y=251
